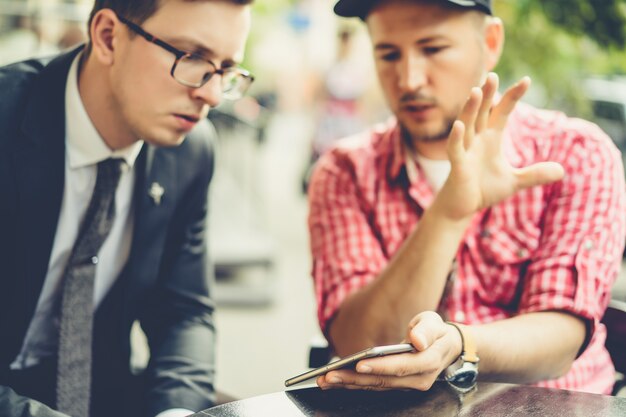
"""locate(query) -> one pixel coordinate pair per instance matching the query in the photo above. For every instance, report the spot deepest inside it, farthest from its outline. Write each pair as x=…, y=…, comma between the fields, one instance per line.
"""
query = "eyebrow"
x=385, y=46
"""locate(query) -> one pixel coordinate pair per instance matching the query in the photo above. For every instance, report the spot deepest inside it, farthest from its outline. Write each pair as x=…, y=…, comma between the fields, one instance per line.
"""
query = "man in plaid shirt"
x=481, y=211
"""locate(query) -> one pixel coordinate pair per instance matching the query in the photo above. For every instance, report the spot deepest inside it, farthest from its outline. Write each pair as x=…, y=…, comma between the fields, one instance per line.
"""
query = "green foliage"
x=603, y=21
x=266, y=7
x=560, y=42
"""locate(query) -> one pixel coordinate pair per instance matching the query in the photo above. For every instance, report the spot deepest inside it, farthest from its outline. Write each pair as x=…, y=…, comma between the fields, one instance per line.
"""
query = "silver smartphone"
x=351, y=360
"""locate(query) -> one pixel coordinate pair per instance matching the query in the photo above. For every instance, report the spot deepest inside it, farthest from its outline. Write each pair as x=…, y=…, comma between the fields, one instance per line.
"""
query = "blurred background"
x=315, y=83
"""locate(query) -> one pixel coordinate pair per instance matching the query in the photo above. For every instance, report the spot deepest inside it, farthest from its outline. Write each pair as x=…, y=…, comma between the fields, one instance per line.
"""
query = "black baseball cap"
x=361, y=8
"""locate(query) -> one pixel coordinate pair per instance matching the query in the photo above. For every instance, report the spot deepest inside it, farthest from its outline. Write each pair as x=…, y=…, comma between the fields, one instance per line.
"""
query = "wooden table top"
x=487, y=400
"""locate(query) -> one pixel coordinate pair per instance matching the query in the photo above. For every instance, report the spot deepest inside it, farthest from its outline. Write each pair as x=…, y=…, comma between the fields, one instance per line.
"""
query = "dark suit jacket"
x=12, y=404
x=165, y=284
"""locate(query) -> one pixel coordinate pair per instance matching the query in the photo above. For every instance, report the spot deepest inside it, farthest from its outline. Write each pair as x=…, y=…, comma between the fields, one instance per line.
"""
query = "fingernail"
x=364, y=369
x=334, y=380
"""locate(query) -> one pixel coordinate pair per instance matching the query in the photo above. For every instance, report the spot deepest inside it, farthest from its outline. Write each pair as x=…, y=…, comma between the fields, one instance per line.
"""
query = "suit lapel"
x=157, y=169
x=40, y=163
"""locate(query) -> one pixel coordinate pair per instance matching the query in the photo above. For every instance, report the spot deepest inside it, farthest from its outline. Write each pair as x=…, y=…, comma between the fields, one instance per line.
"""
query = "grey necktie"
x=76, y=318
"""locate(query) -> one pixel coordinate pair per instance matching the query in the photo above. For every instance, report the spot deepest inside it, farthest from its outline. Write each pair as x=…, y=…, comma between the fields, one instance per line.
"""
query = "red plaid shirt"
x=554, y=247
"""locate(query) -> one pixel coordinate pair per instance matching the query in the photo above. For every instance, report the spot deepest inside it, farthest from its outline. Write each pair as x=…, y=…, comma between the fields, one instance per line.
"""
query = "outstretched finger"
x=489, y=90
x=539, y=174
x=500, y=113
x=456, y=147
x=469, y=113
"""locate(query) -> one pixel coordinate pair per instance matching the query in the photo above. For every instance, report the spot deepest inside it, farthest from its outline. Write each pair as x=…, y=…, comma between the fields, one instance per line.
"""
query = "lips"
x=419, y=112
x=412, y=107
x=186, y=122
x=188, y=117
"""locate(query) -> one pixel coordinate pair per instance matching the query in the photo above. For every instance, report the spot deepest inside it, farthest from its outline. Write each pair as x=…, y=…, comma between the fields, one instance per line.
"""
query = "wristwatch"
x=462, y=374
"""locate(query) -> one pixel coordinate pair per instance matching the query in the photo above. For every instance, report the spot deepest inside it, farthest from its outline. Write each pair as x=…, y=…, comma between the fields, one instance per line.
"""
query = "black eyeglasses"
x=193, y=70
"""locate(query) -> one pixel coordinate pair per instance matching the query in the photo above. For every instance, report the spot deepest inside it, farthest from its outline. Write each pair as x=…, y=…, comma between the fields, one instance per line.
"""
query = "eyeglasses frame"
x=179, y=54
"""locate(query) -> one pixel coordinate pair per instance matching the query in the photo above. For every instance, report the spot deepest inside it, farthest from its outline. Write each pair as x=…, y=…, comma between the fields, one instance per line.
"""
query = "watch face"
x=464, y=379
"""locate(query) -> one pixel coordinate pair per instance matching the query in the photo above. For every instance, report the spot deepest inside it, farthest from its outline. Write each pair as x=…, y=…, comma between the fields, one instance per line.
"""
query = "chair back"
x=615, y=321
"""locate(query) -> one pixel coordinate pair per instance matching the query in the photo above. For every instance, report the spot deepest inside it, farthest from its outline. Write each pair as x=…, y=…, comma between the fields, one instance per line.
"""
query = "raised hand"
x=481, y=176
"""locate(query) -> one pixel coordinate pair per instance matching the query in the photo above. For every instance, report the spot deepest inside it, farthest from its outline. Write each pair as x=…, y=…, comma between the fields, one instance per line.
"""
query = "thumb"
x=539, y=174
x=425, y=329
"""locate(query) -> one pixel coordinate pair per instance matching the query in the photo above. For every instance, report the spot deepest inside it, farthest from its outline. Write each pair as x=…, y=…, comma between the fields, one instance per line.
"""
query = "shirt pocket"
x=503, y=253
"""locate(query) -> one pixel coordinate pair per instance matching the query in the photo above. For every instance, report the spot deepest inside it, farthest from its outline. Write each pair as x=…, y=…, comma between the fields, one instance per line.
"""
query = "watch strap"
x=469, y=351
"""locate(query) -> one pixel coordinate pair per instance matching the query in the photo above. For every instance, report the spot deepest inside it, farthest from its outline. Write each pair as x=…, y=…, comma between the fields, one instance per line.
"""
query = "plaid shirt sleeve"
x=346, y=253
x=584, y=226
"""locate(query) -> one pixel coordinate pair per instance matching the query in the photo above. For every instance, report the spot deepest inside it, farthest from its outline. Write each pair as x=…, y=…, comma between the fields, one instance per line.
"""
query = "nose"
x=210, y=93
x=412, y=72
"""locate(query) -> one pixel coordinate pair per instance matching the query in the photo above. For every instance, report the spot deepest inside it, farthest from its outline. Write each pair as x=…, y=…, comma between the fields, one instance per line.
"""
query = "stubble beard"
x=420, y=134
x=413, y=137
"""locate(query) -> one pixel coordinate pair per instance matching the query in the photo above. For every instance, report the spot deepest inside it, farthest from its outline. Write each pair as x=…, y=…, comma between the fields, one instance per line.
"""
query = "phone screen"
x=351, y=360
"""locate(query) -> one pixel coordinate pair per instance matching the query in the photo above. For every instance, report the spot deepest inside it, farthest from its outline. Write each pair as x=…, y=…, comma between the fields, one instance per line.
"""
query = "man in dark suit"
x=144, y=82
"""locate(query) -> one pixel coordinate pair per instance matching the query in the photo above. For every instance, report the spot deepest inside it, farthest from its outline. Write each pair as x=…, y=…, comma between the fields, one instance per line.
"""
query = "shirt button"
x=521, y=253
x=485, y=233
x=588, y=244
x=459, y=316
x=94, y=260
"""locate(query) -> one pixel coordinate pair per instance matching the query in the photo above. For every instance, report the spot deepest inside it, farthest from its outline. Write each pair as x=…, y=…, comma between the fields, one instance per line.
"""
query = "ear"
x=103, y=29
x=494, y=41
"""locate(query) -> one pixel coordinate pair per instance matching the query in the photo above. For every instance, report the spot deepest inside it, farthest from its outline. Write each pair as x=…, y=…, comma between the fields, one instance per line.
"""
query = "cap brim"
x=470, y=4
x=353, y=8
x=361, y=8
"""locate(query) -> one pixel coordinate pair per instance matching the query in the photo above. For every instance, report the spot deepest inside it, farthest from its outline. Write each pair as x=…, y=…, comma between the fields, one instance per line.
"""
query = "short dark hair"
x=137, y=11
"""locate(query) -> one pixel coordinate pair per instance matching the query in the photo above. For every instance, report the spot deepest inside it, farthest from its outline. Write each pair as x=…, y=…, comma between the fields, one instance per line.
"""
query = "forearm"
x=413, y=281
x=530, y=347
x=526, y=349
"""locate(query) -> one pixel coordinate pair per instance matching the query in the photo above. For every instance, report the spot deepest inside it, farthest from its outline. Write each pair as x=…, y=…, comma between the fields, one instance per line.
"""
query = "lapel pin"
x=156, y=193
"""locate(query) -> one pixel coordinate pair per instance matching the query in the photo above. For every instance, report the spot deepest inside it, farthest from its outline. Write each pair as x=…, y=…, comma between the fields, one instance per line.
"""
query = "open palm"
x=481, y=176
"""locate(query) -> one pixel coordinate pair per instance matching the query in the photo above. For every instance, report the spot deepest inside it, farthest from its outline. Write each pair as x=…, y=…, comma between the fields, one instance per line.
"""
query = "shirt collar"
x=84, y=144
x=401, y=157
x=402, y=163
x=398, y=151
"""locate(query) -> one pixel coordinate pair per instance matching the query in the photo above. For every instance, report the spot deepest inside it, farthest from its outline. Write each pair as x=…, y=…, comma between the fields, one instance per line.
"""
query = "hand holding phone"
x=351, y=360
